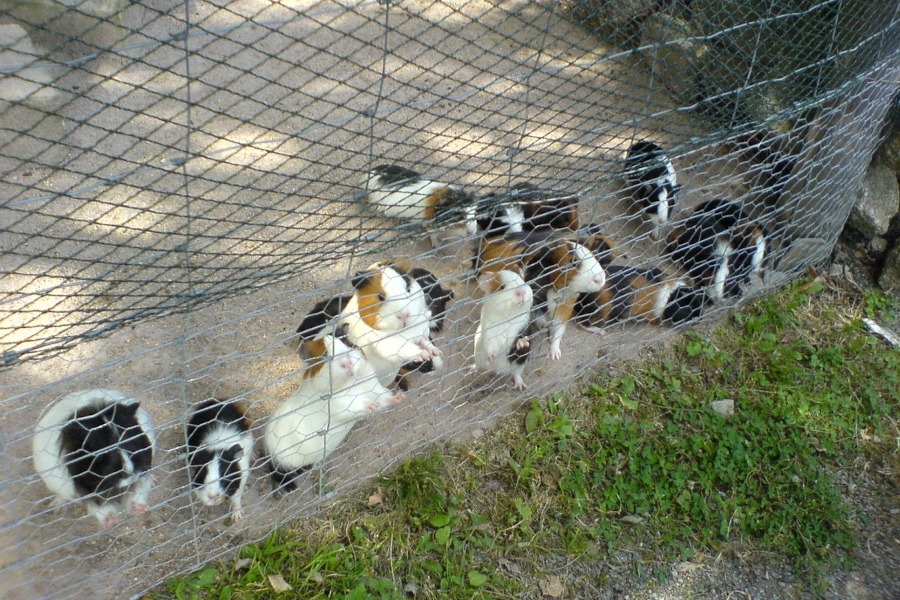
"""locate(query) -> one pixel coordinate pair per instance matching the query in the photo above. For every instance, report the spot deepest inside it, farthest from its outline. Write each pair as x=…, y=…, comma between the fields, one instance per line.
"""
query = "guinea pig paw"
x=555, y=354
x=396, y=399
x=519, y=383
x=372, y=406
x=139, y=508
x=237, y=515
x=522, y=343
x=109, y=521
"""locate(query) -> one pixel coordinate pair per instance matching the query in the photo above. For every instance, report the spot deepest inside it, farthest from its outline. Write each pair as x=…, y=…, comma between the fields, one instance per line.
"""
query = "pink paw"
x=109, y=521
x=522, y=343
x=372, y=406
x=139, y=508
x=396, y=399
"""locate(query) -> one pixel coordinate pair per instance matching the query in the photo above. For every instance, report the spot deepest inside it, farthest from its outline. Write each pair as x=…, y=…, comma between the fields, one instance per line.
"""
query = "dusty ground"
x=279, y=129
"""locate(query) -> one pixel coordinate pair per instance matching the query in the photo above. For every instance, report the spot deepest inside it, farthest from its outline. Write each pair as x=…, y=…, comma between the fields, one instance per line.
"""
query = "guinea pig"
x=322, y=318
x=389, y=319
x=592, y=238
x=720, y=246
x=502, y=340
x=96, y=445
x=496, y=215
x=338, y=388
x=632, y=294
x=219, y=447
x=558, y=273
x=400, y=193
x=437, y=298
x=545, y=210
x=652, y=182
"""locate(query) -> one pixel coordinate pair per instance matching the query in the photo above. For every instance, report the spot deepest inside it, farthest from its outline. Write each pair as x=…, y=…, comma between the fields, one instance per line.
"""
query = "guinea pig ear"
x=489, y=282
x=361, y=279
x=126, y=410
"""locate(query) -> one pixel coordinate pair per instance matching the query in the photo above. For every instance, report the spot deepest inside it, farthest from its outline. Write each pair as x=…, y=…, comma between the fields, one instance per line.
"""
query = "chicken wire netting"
x=183, y=181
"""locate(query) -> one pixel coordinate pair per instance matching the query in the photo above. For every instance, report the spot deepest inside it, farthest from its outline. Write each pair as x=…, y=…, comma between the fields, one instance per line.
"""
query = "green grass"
x=637, y=460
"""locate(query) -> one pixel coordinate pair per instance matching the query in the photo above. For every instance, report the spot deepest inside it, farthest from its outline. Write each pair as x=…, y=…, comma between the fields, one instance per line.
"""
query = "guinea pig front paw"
x=555, y=353
x=519, y=383
x=396, y=399
x=139, y=508
x=522, y=343
x=237, y=515
x=109, y=521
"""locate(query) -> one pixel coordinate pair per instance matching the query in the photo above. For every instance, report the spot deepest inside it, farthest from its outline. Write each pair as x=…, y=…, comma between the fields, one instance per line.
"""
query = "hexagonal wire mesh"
x=183, y=181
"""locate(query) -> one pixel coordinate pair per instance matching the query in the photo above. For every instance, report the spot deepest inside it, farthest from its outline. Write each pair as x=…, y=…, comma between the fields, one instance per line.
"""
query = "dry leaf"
x=632, y=520
x=510, y=566
x=279, y=584
x=375, y=499
x=552, y=586
x=242, y=563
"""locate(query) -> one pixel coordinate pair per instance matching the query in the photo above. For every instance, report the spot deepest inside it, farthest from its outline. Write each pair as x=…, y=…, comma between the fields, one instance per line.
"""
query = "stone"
x=889, y=278
x=723, y=407
x=877, y=201
x=878, y=245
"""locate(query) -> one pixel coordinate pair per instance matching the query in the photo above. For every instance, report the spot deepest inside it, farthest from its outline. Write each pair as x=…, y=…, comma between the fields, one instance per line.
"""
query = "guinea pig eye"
x=381, y=296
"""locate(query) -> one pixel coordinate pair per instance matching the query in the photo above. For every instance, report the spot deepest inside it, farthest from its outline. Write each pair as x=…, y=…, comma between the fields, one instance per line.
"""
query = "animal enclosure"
x=183, y=181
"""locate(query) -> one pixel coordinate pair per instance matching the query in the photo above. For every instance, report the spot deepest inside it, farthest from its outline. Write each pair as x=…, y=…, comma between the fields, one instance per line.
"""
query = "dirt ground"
x=261, y=221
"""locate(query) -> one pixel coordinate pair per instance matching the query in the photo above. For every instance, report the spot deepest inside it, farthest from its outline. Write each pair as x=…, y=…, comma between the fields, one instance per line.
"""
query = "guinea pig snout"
x=211, y=495
x=404, y=317
x=348, y=365
x=522, y=294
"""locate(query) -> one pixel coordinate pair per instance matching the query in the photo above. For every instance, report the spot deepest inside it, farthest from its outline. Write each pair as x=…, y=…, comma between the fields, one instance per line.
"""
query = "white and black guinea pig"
x=400, y=193
x=652, y=182
x=720, y=247
x=219, y=447
x=96, y=445
x=503, y=337
x=338, y=388
x=632, y=294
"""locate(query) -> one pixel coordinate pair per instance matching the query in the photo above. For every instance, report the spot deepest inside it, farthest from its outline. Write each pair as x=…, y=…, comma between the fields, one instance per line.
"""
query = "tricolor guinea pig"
x=219, y=447
x=400, y=193
x=502, y=340
x=544, y=209
x=632, y=294
x=592, y=238
x=652, y=182
x=96, y=445
x=388, y=317
x=558, y=273
x=338, y=388
x=720, y=247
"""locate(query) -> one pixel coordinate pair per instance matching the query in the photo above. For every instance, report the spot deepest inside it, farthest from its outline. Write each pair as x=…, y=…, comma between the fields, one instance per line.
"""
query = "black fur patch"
x=322, y=313
x=395, y=175
x=436, y=296
x=685, y=304
x=207, y=415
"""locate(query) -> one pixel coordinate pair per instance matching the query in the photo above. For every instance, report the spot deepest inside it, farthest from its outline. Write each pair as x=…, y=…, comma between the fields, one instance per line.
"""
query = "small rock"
x=723, y=407
x=837, y=271
x=877, y=202
x=878, y=245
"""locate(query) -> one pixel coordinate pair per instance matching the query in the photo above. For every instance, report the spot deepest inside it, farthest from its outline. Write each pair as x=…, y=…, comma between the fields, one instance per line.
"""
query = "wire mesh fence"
x=184, y=181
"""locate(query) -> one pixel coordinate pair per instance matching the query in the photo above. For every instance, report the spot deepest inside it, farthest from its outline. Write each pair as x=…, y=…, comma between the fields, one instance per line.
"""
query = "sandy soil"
x=260, y=223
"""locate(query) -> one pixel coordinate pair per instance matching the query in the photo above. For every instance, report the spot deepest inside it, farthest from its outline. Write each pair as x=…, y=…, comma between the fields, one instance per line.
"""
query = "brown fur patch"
x=565, y=309
x=645, y=295
x=600, y=307
x=313, y=351
x=438, y=199
x=497, y=254
x=563, y=270
x=368, y=300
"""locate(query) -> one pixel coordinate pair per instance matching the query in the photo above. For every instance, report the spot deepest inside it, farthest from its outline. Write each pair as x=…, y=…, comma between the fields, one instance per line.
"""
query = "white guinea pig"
x=389, y=319
x=502, y=340
x=219, y=445
x=97, y=445
x=338, y=389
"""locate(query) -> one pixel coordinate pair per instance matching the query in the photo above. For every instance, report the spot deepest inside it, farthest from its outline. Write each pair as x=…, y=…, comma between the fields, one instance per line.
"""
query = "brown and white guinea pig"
x=338, y=388
x=720, y=247
x=96, y=445
x=400, y=193
x=502, y=340
x=219, y=448
x=632, y=294
x=558, y=273
x=388, y=317
x=653, y=184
